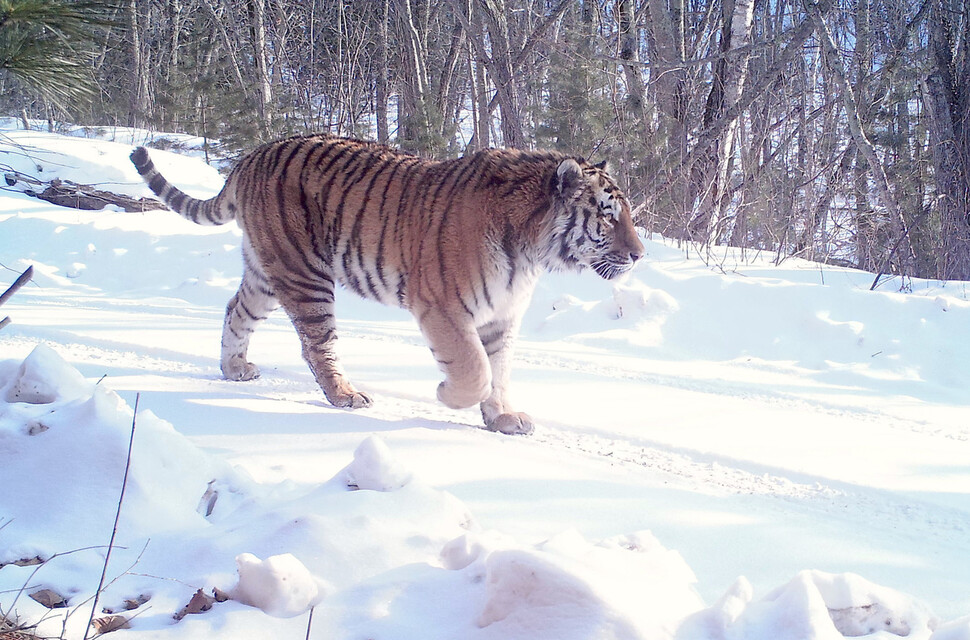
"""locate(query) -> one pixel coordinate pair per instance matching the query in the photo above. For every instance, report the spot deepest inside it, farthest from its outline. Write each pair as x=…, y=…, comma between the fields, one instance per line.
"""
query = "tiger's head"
x=591, y=222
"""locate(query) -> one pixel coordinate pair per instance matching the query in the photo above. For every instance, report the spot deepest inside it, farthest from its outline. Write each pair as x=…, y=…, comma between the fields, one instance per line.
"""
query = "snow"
x=726, y=448
x=628, y=587
x=375, y=468
x=279, y=585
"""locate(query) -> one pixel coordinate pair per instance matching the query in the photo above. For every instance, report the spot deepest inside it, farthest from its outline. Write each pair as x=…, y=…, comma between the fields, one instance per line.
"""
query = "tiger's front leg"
x=460, y=355
x=498, y=339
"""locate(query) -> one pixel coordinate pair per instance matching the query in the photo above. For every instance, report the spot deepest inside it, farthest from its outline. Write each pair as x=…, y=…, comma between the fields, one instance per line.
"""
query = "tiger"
x=459, y=243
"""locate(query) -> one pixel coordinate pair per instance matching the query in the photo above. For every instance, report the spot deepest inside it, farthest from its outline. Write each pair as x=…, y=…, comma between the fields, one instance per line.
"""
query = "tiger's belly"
x=480, y=297
x=369, y=279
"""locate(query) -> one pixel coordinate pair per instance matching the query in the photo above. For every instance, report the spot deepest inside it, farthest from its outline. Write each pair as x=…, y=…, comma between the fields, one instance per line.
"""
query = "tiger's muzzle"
x=613, y=265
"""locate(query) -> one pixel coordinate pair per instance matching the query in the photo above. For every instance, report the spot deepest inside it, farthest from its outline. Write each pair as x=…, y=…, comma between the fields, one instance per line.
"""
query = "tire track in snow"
x=740, y=389
x=916, y=520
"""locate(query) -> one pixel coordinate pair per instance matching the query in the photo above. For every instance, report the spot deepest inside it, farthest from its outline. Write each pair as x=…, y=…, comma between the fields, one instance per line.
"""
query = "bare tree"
x=859, y=136
x=263, y=86
x=138, y=101
x=833, y=129
x=947, y=99
x=382, y=83
x=712, y=174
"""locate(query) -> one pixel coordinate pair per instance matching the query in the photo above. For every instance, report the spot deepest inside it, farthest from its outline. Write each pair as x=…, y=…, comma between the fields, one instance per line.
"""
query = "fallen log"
x=65, y=193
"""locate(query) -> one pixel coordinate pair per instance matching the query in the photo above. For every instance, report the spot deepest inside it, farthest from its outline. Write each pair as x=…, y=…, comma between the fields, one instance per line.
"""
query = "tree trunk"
x=481, y=110
x=416, y=120
x=381, y=89
x=867, y=223
x=448, y=95
x=947, y=102
x=264, y=88
x=668, y=90
x=666, y=34
x=630, y=53
x=500, y=67
x=138, y=98
x=711, y=178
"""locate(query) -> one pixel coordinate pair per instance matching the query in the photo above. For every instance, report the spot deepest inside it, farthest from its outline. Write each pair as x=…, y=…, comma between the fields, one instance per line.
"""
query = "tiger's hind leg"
x=251, y=304
x=311, y=311
x=497, y=339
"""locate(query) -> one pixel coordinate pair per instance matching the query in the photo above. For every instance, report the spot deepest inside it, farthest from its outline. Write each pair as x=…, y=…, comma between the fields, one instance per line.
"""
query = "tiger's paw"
x=516, y=424
x=351, y=400
x=238, y=370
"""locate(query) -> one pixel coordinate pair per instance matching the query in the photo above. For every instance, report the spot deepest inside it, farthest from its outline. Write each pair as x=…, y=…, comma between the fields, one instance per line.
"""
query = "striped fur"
x=459, y=243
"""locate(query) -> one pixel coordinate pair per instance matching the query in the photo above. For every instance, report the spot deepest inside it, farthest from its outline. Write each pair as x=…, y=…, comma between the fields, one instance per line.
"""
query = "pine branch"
x=46, y=45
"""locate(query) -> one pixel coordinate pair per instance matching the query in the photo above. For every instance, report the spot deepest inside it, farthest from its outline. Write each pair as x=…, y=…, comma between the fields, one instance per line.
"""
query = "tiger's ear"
x=569, y=177
x=604, y=166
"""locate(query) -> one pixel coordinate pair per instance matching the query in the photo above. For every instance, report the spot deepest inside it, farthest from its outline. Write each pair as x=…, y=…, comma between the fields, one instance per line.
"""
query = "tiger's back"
x=378, y=218
x=460, y=243
x=325, y=204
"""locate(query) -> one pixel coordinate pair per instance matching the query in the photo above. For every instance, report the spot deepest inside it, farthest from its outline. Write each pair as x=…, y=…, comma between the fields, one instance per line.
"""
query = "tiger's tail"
x=205, y=212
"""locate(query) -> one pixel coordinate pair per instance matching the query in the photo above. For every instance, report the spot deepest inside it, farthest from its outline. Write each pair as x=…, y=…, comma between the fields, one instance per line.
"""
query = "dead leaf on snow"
x=208, y=501
x=35, y=427
x=200, y=602
x=24, y=562
x=49, y=599
x=129, y=604
x=220, y=595
x=133, y=603
x=108, y=624
x=17, y=634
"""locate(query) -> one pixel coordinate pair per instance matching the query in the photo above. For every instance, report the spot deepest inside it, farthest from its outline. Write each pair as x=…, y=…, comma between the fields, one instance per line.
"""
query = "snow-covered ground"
x=731, y=450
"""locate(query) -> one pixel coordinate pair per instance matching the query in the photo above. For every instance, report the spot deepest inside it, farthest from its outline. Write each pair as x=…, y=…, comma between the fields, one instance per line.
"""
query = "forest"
x=832, y=130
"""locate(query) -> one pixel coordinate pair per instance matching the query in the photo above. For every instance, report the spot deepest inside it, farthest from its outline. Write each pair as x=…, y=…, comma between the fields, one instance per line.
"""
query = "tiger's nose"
x=636, y=255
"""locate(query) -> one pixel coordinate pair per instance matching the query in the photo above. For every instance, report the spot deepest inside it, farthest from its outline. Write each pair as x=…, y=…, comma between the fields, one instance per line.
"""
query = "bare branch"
x=19, y=282
x=114, y=530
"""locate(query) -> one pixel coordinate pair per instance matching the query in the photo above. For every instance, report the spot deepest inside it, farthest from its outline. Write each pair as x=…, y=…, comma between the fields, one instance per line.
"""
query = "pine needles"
x=47, y=45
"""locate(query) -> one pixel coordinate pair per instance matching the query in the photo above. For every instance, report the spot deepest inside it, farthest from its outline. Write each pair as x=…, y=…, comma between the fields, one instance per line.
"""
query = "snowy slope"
x=726, y=449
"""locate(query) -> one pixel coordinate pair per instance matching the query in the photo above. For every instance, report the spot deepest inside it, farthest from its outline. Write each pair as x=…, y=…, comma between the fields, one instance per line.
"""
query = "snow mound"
x=634, y=313
x=956, y=630
x=186, y=517
x=626, y=587
x=375, y=468
x=859, y=607
x=473, y=548
x=71, y=438
x=813, y=606
x=43, y=377
x=279, y=585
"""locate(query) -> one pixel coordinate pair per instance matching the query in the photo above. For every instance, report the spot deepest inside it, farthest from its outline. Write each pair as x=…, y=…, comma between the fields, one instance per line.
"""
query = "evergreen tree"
x=46, y=45
x=578, y=112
